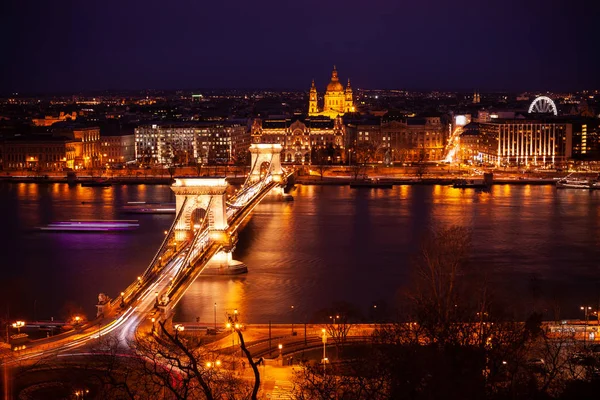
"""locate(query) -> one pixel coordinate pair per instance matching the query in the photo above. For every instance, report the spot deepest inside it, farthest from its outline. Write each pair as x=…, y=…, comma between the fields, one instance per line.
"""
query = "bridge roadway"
x=141, y=297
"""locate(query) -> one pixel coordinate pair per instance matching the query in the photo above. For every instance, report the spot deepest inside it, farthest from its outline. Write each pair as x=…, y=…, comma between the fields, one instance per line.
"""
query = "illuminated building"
x=117, y=149
x=86, y=140
x=43, y=153
x=525, y=142
x=189, y=142
x=337, y=101
x=470, y=144
x=301, y=137
x=49, y=120
x=586, y=138
x=90, y=146
x=411, y=139
x=364, y=130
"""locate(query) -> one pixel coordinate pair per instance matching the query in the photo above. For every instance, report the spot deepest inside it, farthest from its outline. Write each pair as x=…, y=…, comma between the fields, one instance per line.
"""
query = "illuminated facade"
x=185, y=143
x=117, y=150
x=43, y=153
x=337, y=101
x=300, y=138
x=410, y=139
x=88, y=147
x=49, y=120
x=586, y=138
x=522, y=142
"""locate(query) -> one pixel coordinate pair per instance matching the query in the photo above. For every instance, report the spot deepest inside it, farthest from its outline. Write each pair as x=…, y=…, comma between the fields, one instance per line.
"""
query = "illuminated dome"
x=335, y=85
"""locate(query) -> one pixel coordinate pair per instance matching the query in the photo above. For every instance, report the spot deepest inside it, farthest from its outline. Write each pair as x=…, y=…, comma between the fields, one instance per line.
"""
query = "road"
x=141, y=297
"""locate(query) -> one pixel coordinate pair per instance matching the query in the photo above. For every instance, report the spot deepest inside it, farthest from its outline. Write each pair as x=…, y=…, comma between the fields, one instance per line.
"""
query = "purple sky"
x=510, y=45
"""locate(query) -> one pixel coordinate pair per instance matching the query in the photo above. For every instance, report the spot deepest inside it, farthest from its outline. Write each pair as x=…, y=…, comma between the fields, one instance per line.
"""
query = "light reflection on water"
x=335, y=243
x=331, y=243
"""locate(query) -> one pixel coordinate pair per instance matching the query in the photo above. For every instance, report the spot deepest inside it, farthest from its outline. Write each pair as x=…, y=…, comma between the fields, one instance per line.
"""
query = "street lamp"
x=324, y=339
x=178, y=328
x=585, y=310
x=18, y=325
x=280, y=347
x=232, y=323
x=77, y=319
x=293, y=333
x=215, y=318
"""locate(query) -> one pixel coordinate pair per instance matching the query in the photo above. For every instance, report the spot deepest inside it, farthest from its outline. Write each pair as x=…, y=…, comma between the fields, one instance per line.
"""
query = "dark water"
x=539, y=246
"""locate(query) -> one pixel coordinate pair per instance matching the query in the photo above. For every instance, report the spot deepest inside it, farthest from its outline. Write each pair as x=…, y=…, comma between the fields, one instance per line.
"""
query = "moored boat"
x=573, y=184
x=97, y=183
x=370, y=184
x=577, y=183
x=470, y=184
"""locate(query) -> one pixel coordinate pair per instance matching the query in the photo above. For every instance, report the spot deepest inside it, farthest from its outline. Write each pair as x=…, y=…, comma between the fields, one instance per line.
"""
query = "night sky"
x=512, y=45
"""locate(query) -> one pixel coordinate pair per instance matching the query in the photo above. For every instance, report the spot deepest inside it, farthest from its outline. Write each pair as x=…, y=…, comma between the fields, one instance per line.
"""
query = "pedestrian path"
x=282, y=390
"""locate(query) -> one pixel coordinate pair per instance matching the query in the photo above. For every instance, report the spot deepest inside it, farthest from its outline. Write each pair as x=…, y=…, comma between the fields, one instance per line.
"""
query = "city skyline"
x=500, y=46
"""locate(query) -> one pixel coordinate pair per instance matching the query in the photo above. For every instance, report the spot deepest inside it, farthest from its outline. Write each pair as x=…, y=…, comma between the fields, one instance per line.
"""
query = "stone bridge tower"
x=266, y=158
x=200, y=198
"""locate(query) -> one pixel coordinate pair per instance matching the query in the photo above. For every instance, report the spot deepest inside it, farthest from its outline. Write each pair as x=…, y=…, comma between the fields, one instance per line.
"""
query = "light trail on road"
x=143, y=302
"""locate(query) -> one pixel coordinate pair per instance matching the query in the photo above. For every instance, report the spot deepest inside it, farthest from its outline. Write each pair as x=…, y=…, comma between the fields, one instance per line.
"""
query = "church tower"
x=349, y=103
x=476, y=98
x=312, y=100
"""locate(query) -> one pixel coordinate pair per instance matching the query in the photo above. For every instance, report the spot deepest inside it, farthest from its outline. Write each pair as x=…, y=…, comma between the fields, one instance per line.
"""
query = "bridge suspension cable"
x=201, y=236
x=166, y=240
x=247, y=187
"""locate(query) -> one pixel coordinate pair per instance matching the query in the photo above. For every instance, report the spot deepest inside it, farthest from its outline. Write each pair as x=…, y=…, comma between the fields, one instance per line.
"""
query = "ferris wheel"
x=543, y=105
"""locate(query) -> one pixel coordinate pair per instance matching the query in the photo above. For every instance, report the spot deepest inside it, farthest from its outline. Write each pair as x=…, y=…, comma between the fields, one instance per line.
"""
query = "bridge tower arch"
x=197, y=199
x=268, y=153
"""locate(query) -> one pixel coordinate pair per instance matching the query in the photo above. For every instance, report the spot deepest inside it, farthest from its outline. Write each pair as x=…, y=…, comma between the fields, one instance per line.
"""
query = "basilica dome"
x=335, y=86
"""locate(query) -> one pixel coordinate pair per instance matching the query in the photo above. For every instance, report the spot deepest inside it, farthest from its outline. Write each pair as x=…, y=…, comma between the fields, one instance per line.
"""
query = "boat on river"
x=149, y=208
x=577, y=183
x=470, y=184
x=574, y=184
x=80, y=225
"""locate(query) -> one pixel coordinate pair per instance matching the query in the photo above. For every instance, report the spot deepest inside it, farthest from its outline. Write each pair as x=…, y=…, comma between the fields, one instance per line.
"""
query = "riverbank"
x=304, y=175
x=303, y=180
x=117, y=180
x=345, y=181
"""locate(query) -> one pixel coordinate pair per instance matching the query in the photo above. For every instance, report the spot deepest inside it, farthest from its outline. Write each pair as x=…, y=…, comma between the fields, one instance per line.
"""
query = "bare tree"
x=364, y=153
x=168, y=365
x=321, y=157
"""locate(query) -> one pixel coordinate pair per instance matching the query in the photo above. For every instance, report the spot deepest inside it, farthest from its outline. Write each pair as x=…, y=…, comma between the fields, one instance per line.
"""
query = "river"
x=539, y=246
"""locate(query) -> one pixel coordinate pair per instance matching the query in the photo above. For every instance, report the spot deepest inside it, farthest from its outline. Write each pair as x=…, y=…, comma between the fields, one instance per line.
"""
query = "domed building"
x=338, y=100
